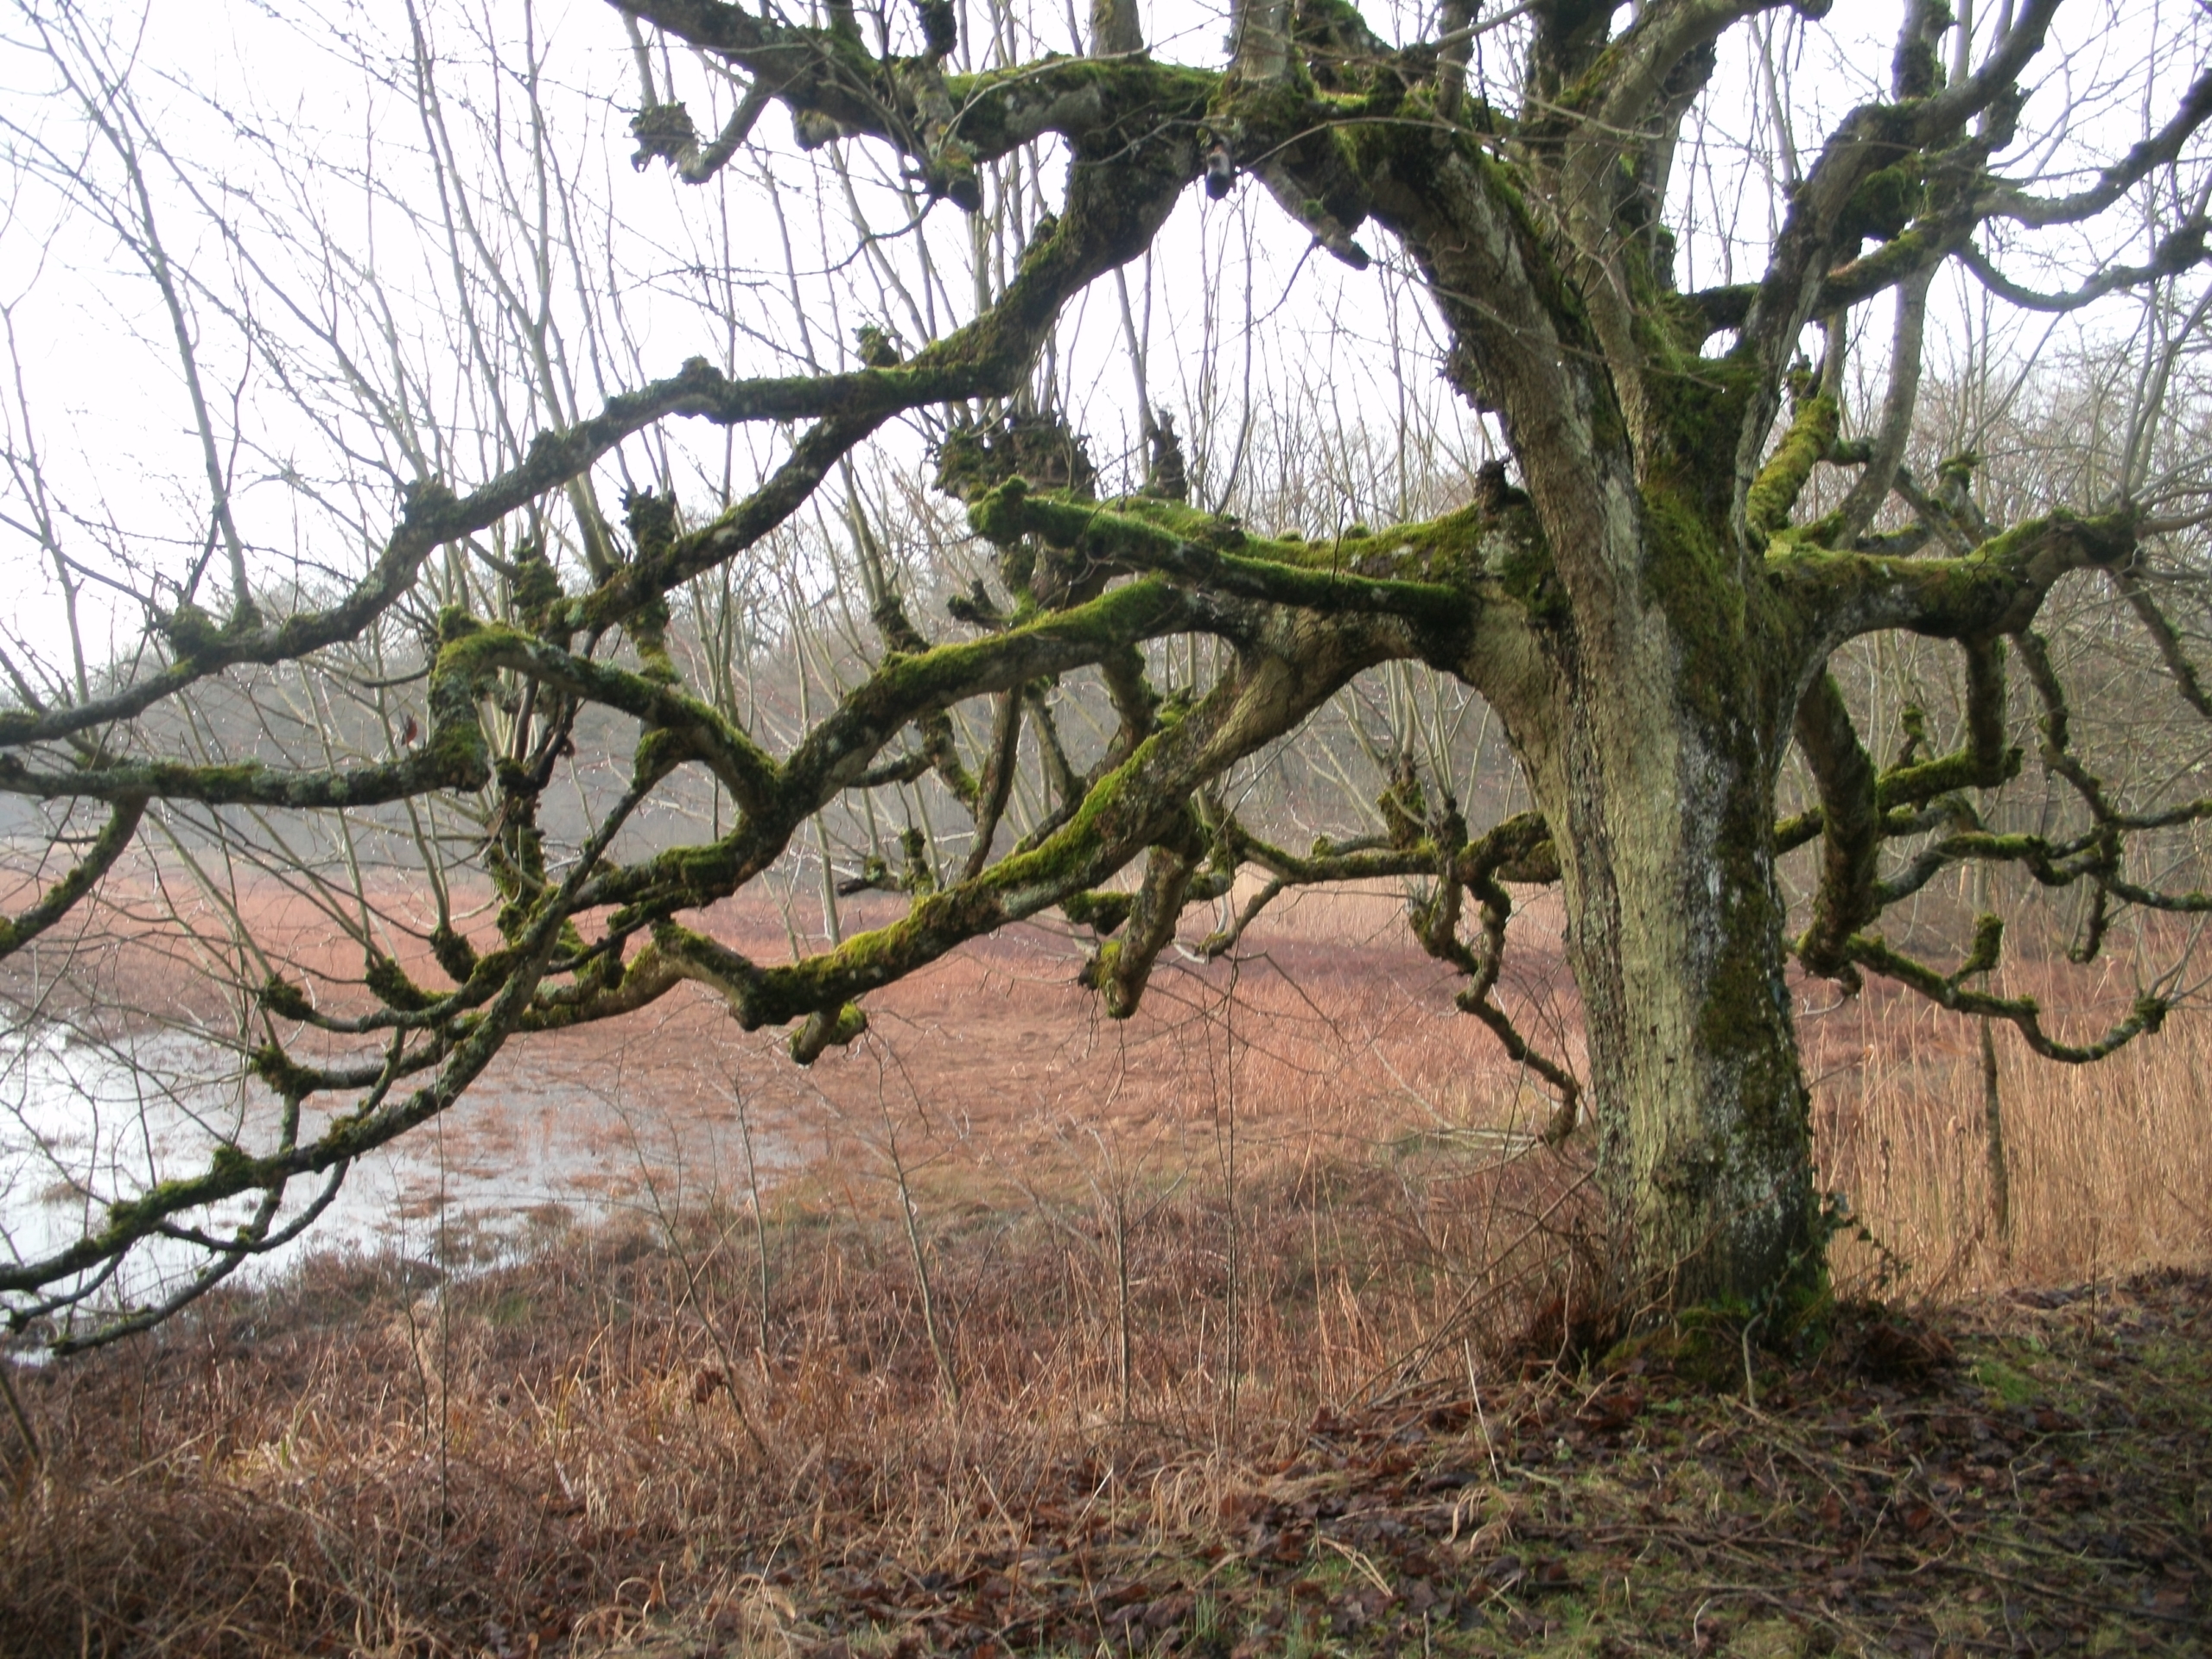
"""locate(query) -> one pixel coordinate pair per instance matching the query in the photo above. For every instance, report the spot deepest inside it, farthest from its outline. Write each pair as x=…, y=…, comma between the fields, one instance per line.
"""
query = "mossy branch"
x=63, y=896
x=1774, y=492
x=1122, y=967
x=433, y=516
x=1849, y=823
x=1140, y=803
x=376, y=1123
x=459, y=764
x=2147, y=1013
x=1430, y=574
x=1995, y=590
x=1432, y=844
x=690, y=728
x=2130, y=581
x=1111, y=214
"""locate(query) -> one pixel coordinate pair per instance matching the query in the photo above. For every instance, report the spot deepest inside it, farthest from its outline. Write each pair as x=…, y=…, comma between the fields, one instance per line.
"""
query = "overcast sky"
x=323, y=264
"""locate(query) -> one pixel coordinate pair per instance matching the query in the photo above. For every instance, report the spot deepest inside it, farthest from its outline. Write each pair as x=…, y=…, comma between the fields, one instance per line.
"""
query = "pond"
x=535, y=1147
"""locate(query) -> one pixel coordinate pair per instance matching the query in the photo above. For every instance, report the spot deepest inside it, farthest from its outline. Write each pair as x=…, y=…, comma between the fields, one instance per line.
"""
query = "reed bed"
x=1099, y=1275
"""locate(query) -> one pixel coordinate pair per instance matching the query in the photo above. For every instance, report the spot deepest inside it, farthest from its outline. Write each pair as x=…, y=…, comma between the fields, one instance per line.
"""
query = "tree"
x=1642, y=588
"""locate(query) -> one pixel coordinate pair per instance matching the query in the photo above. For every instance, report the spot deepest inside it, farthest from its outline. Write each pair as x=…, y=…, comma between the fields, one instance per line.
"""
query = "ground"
x=2030, y=1473
x=1235, y=1327
x=2022, y=1472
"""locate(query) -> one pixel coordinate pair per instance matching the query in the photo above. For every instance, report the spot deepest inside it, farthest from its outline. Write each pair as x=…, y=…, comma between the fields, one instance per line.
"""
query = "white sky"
x=283, y=143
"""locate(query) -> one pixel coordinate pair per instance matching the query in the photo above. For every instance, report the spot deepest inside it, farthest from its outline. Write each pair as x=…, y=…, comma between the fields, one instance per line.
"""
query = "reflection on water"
x=85, y=1122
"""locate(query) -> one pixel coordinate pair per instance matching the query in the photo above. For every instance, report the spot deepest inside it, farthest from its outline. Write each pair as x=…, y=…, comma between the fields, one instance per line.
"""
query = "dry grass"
x=2110, y=1165
x=1029, y=1274
x=354, y=1463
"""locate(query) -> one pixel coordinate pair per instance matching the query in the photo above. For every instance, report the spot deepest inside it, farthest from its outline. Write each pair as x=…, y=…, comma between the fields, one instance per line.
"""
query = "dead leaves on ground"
x=2032, y=1475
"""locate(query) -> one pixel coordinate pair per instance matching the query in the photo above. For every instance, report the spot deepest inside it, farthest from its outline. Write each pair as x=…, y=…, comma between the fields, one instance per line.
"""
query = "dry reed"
x=1107, y=1302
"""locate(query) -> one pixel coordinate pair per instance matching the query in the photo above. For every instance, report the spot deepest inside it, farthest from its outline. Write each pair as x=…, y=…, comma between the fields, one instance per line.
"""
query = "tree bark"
x=1655, y=760
x=1674, y=933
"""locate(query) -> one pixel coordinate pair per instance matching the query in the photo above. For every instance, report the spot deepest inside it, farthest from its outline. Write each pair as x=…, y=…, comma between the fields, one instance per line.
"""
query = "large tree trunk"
x=1651, y=714
x=1656, y=769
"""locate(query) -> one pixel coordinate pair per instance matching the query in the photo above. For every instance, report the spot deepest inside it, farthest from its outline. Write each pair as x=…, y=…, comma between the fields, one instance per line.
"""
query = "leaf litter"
x=2027, y=1473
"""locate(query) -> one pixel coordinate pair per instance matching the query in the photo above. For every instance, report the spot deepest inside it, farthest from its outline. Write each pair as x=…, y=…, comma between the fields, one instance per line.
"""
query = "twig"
x=16, y=1410
x=1474, y=1388
x=1360, y=1561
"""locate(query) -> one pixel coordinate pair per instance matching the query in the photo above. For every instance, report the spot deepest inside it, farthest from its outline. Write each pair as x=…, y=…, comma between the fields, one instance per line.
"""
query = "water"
x=533, y=1148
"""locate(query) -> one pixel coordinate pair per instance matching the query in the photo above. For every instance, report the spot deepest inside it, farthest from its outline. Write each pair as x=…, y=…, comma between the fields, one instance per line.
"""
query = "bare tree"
x=1640, y=587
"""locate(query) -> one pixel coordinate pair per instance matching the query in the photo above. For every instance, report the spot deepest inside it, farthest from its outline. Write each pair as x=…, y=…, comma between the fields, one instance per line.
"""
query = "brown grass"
x=2110, y=1165
x=353, y=1462
x=1025, y=1270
